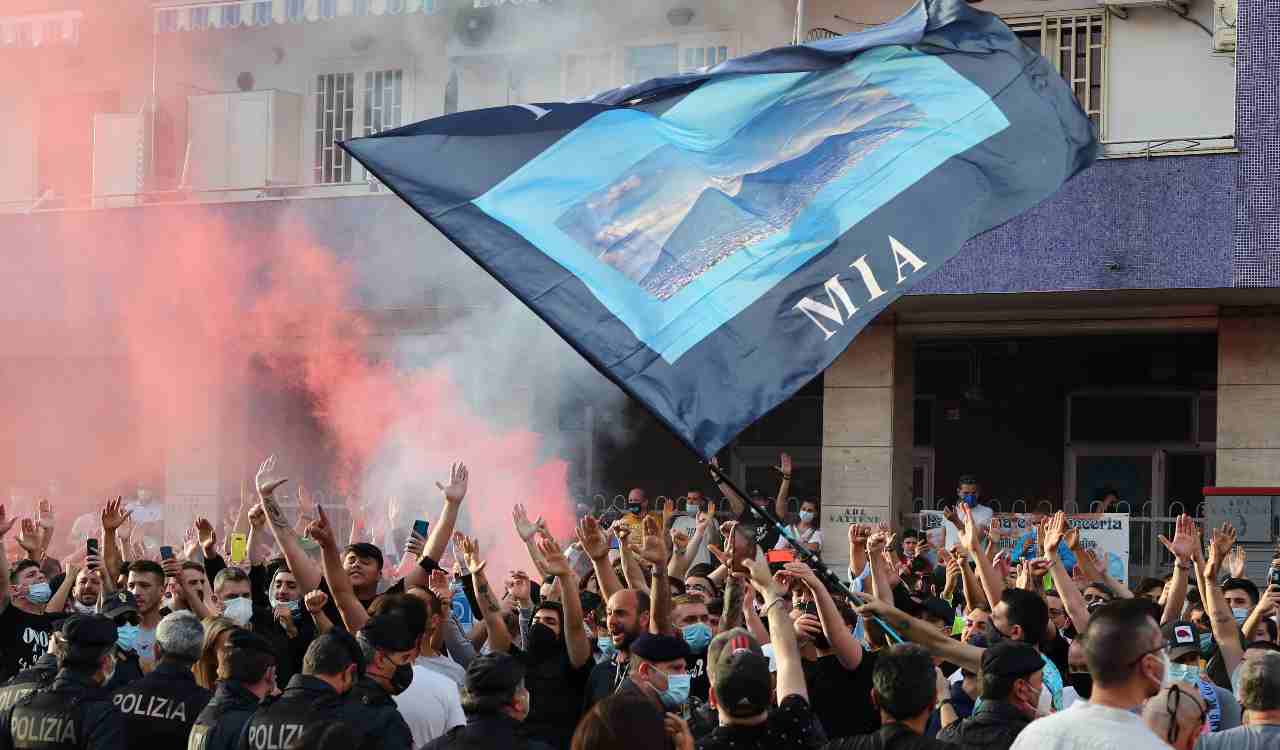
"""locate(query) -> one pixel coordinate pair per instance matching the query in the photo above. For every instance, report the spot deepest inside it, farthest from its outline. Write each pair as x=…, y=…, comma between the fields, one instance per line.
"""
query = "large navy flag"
x=712, y=241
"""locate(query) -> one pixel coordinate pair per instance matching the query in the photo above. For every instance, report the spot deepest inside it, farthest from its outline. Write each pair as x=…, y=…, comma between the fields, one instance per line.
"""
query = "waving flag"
x=713, y=241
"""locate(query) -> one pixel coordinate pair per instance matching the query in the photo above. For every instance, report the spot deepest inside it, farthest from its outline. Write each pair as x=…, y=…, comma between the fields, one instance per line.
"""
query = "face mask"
x=84, y=609
x=39, y=593
x=697, y=635
x=806, y=516
x=1206, y=645
x=126, y=637
x=401, y=679
x=1167, y=679
x=677, y=692
x=969, y=500
x=542, y=639
x=239, y=611
x=292, y=606
x=606, y=647
x=1184, y=673
x=167, y=603
x=634, y=508
x=1240, y=615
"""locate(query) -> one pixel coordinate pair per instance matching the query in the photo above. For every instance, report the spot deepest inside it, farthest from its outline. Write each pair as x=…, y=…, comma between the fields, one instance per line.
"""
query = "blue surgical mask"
x=677, y=692
x=291, y=605
x=605, y=643
x=1239, y=614
x=806, y=516
x=126, y=637
x=39, y=593
x=969, y=500
x=1184, y=673
x=1206, y=644
x=697, y=635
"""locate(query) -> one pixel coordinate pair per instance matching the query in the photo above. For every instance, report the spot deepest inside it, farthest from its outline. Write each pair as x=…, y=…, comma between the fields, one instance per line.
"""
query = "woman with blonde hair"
x=216, y=630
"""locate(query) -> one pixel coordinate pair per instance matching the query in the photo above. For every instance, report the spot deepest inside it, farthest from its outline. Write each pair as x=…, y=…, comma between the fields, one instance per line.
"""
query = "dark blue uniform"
x=306, y=700
x=484, y=731
x=222, y=722
x=372, y=711
x=72, y=714
x=39, y=675
x=160, y=709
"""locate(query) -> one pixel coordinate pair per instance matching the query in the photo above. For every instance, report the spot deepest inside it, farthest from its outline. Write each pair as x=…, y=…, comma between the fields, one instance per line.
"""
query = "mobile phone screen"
x=420, y=528
x=166, y=552
x=92, y=546
x=780, y=555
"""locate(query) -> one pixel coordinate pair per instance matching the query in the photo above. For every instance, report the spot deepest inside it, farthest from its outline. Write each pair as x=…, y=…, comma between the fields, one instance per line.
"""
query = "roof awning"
x=226, y=14
x=41, y=29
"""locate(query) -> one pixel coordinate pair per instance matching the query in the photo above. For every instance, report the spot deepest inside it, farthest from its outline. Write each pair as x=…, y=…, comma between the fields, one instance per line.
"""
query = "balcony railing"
x=1205, y=144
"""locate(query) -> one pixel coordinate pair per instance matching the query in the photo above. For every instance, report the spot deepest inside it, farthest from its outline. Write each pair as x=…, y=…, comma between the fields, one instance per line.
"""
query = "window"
x=587, y=73
x=653, y=61
x=335, y=109
x=383, y=94
x=1077, y=45
x=702, y=57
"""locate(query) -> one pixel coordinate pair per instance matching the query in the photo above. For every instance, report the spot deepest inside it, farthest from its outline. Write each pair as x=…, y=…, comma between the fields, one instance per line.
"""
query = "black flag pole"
x=767, y=515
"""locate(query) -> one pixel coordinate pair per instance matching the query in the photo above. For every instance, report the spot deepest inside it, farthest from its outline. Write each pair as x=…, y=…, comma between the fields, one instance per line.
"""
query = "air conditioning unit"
x=1224, y=26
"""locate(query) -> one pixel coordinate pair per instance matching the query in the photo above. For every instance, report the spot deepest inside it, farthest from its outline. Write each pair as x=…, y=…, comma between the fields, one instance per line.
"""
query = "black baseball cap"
x=494, y=674
x=1011, y=659
x=89, y=631
x=119, y=603
x=1181, y=637
x=742, y=681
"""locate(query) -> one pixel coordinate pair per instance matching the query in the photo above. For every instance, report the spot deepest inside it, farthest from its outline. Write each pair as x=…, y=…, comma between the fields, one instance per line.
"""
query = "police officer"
x=330, y=669
x=74, y=713
x=246, y=675
x=122, y=608
x=37, y=676
x=162, y=707
x=389, y=647
x=497, y=702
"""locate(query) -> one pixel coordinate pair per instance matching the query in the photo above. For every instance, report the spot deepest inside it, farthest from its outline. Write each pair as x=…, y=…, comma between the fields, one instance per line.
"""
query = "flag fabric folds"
x=713, y=241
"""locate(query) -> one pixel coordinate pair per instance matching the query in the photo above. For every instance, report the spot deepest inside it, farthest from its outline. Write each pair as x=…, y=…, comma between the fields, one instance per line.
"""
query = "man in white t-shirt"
x=431, y=705
x=1128, y=662
x=695, y=505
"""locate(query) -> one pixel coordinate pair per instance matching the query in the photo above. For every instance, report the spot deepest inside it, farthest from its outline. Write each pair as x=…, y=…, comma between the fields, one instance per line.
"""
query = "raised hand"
x=802, y=573
x=858, y=535
x=44, y=513
x=556, y=563
x=969, y=535
x=1236, y=562
x=456, y=490
x=190, y=542
x=1072, y=538
x=1054, y=531
x=1183, y=544
x=320, y=530
x=653, y=548
x=519, y=587
x=29, y=538
x=415, y=545
x=593, y=540
x=257, y=516
x=440, y=585
x=1221, y=543
x=114, y=514
x=1039, y=568
x=524, y=527
x=679, y=539
x=668, y=512
x=784, y=466
x=315, y=601
x=878, y=541
x=762, y=580
x=264, y=479
x=208, y=537
x=470, y=550
x=6, y=523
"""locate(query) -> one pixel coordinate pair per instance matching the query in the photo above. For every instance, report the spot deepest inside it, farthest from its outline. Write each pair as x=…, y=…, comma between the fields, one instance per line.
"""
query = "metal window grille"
x=1077, y=43
x=383, y=93
x=335, y=110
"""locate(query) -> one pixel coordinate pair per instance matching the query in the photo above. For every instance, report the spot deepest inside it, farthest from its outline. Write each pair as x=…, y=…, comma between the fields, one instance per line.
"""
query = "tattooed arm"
x=733, y=589
x=499, y=636
x=302, y=567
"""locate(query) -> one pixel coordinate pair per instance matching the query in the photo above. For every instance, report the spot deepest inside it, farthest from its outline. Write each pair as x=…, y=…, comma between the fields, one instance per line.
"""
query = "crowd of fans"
x=656, y=627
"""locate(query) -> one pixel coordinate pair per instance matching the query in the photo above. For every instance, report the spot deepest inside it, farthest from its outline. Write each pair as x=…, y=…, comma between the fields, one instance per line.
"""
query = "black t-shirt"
x=1056, y=649
x=841, y=699
x=790, y=726
x=699, y=683
x=23, y=639
x=603, y=680
x=556, y=689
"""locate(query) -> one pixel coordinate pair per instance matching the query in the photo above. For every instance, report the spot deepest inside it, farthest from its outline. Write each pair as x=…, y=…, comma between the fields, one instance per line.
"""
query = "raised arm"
x=858, y=536
x=847, y=648
x=499, y=636
x=353, y=613
x=1072, y=600
x=680, y=563
x=782, y=634
x=528, y=532
x=315, y=602
x=784, y=489
x=575, y=632
x=971, y=538
x=1184, y=548
x=881, y=575
x=440, y=534
x=1225, y=630
x=58, y=602
x=302, y=567
x=921, y=632
x=654, y=550
x=735, y=500
x=6, y=523
x=113, y=516
x=630, y=565
x=596, y=544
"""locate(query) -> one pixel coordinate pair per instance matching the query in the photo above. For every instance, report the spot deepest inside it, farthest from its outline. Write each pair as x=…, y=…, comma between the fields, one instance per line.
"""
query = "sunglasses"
x=1174, y=702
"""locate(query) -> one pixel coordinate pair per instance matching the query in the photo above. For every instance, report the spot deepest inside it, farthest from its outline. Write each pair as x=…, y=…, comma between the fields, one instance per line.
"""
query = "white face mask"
x=806, y=516
x=239, y=611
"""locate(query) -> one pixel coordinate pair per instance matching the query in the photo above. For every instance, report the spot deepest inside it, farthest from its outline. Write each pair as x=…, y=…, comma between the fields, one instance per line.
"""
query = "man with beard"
x=1129, y=662
x=627, y=617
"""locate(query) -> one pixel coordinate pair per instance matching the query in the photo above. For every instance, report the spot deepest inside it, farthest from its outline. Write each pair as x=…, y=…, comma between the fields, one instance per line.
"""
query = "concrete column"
x=1249, y=400
x=866, y=438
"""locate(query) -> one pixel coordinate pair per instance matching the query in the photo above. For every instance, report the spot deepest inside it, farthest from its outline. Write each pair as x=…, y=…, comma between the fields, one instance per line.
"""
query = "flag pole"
x=767, y=515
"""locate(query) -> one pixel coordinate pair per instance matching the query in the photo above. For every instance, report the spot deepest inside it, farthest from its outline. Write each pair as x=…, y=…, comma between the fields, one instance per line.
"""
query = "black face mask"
x=542, y=640
x=401, y=679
